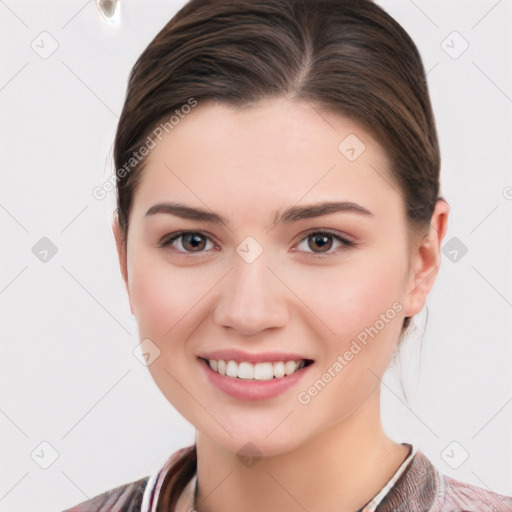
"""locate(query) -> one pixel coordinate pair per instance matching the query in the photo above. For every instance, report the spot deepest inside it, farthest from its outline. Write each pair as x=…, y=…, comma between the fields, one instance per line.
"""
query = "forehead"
x=279, y=152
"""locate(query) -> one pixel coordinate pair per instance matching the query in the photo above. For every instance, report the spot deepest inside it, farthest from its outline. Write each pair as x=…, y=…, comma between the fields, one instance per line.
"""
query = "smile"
x=259, y=371
x=249, y=377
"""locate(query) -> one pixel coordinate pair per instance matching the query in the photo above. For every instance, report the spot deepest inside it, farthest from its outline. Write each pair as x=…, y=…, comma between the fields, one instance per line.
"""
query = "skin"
x=331, y=454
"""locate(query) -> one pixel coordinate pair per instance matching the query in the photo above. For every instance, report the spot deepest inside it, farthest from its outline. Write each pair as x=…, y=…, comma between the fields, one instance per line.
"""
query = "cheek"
x=166, y=302
x=153, y=302
x=351, y=297
x=163, y=298
x=363, y=309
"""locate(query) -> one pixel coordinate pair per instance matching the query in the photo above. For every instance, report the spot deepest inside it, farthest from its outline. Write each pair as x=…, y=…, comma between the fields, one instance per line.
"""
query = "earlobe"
x=426, y=260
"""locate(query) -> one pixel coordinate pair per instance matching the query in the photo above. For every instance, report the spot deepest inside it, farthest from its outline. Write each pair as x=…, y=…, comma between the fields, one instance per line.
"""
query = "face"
x=256, y=238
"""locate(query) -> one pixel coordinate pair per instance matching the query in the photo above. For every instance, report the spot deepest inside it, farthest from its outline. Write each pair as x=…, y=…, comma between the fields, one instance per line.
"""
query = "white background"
x=68, y=376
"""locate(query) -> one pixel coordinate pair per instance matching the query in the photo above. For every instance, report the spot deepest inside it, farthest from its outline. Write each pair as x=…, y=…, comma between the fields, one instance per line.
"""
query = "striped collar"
x=157, y=495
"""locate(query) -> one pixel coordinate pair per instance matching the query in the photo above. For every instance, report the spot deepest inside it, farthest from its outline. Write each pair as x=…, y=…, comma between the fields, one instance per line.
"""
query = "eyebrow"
x=292, y=214
x=297, y=213
x=187, y=212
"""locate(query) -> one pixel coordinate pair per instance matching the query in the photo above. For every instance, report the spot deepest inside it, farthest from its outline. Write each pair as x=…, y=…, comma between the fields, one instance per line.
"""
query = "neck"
x=341, y=469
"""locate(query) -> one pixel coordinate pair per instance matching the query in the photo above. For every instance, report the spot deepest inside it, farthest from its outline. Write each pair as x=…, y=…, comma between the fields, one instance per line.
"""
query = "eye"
x=188, y=242
x=323, y=242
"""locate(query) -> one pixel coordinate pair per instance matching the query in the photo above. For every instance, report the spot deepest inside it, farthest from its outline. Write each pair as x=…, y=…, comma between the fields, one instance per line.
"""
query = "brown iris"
x=193, y=242
x=320, y=241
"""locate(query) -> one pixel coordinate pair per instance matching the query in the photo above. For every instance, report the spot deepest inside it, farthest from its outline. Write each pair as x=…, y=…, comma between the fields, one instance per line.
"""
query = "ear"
x=426, y=260
x=121, y=254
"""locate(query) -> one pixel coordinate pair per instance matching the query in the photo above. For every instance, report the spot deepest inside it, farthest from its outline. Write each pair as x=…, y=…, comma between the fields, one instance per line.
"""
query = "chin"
x=256, y=439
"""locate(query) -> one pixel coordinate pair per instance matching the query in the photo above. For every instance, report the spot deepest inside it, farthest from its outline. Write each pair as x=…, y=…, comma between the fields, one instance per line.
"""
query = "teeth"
x=232, y=369
x=245, y=371
x=280, y=369
x=289, y=367
x=259, y=371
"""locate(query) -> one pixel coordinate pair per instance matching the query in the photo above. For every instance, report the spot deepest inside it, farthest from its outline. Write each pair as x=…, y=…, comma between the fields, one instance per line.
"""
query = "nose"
x=251, y=299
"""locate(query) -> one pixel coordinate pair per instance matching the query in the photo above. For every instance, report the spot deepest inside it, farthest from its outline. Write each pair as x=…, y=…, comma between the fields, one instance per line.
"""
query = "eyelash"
x=345, y=242
x=167, y=242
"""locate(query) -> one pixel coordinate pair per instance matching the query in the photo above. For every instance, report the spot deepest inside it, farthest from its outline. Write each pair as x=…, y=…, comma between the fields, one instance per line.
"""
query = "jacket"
x=419, y=488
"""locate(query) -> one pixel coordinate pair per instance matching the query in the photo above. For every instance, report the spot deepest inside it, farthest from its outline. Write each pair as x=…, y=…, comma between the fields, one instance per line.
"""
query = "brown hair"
x=346, y=56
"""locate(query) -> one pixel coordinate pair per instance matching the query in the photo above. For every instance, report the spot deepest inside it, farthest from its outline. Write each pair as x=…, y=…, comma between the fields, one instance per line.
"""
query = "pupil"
x=323, y=242
x=193, y=242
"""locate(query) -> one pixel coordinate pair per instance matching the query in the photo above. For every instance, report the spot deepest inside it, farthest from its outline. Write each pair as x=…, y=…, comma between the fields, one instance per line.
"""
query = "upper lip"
x=260, y=357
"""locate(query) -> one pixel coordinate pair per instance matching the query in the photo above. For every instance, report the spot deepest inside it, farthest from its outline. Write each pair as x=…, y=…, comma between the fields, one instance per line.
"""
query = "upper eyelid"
x=169, y=239
x=172, y=237
x=345, y=241
x=326, y=231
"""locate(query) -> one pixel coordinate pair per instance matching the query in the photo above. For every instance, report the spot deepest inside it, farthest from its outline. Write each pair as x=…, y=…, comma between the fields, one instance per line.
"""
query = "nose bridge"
x=249, y=301
x=249, y=279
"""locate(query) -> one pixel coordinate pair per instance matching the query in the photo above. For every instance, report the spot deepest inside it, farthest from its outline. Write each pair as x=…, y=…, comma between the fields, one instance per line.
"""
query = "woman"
x=279, y=223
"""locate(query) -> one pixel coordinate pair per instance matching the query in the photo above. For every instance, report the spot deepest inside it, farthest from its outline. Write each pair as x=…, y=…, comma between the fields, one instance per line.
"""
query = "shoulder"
x=127, y=497
x=130, y=497
x=463, y=496
x=423, y=487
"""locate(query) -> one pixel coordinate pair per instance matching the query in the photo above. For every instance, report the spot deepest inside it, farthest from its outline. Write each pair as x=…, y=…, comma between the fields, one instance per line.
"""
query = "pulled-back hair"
x=348, y=57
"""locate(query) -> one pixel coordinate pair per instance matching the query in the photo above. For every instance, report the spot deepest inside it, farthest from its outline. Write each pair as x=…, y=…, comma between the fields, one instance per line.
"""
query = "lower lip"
x=252, y=390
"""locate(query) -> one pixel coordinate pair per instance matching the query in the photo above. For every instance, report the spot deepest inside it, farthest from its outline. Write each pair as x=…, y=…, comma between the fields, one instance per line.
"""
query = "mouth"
x=260, y=371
